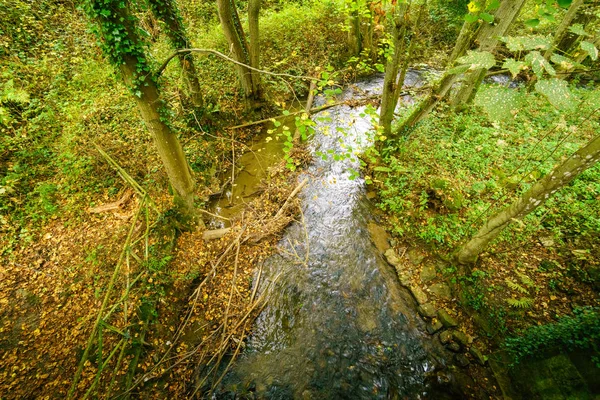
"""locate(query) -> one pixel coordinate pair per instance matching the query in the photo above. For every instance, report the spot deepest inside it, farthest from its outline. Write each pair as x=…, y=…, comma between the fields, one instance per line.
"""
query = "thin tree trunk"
x=488, y=37
x=463, y=42
x=166, y=11
x=354, y=36
x=253, y=13
x=391, y=82
x=232, y=28
x=564, y=25
x=560, y=176
x=148, y=102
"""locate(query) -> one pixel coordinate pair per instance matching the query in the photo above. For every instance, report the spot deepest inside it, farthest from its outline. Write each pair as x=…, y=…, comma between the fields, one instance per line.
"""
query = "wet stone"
x=453, y=347
x=434, y=326
x=379, y=236
x=478, y=355
x=428, y=273
x=404, y=279
x=461, y=360
x=418, y=294
x=441, y=290
x=415, y=256
x=427, y=310
x=461, y=338
x=446, y=319
x=445, y=337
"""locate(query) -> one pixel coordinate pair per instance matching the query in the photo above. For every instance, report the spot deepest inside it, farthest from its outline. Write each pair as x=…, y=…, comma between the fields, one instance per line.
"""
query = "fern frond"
x=527, y=281
x=515, y=286
x=523, y=302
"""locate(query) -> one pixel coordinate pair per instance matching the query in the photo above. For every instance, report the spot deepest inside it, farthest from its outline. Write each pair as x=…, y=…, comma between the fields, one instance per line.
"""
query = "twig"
x=290, y=197
x=224, y=57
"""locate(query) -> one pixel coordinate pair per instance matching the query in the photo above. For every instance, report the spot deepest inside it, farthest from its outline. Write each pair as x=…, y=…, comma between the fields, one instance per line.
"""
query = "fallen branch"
x=116, y=205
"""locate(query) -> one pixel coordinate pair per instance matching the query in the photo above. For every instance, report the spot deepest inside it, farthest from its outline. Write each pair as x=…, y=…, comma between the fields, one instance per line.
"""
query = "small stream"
x=337, y=325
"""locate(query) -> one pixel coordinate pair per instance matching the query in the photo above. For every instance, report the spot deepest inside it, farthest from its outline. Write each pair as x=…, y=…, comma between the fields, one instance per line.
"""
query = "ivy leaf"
x=532, y=23
x=514, y=66
x=539, y=64
x=478, y=59
x=557, y=92
x=499, y=102
x=459, y=69
x=521, y=43
x=590, y=49
x=578, y=30
x=564, y=62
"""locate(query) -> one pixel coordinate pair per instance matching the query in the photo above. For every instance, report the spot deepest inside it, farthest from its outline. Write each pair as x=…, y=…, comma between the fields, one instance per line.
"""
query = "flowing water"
x=336, y=325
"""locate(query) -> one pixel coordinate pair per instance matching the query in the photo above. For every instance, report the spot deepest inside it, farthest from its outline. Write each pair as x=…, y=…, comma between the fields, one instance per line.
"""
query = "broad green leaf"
x=459, y=69
x=494, y=4
x=532, y=23
x=499, y=102
x=539, y=64
x=578, y=30
x=489, y=18
x=521, y=43
x=382, y=169
x=590, y=49
x=564, y=62
x=557, y=92
x=470, y=18
x=514, y=66
x=564, y=3
x=478, y=59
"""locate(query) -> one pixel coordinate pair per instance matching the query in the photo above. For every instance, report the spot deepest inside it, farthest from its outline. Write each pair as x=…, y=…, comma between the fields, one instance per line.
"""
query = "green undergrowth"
x=456, y=170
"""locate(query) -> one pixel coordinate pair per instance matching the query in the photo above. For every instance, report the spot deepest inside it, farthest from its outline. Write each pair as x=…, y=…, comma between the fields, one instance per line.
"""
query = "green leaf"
x=478, y=59
x=380, y=67
x=514, y=66
x=557, y=92
x=578, y=30
x=470, y=18
x=564, y=62
x=494, y=4
x=564, y=3
x=539, y=64
x=532, y=23
x=459, y=69
x=382, y=169
x=521, y=43
x=489, y=18
x=590, y=49
x=499, y=102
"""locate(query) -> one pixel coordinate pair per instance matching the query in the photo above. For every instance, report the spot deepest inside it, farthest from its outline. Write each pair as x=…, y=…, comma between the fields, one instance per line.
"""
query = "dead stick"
x=290, y=197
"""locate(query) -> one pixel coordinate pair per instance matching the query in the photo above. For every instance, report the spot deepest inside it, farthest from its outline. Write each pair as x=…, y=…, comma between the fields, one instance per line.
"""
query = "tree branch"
x=226, y=58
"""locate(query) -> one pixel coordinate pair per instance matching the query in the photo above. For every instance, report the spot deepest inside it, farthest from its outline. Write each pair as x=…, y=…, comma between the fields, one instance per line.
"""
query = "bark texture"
x=232, y=28
x=253, y=14
x=487, y=37
x=564, y=26
x=560, y=176
x=166, y=11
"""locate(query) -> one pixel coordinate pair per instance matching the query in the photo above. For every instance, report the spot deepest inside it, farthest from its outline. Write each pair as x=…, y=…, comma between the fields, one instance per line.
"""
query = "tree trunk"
x=560, y=176
x=354, y=36
x=463, y=42
x=389, y=100
x=564, y=25
x=232, y=28
x=166, y=11
x=253, y=13
x=488, y=37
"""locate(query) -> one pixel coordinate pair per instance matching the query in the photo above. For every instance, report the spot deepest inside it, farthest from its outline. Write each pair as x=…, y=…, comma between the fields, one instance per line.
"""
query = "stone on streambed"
x=478, y=355
x=428, y=273
x=441, y=290
x=419, y=294
x=461, y=360
x=462, y=338
x=446, y=319
x=453, y=347
x=445, y=337
x=427, y=310
x=434, y=326
x=415, y=256
x=392, y=259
